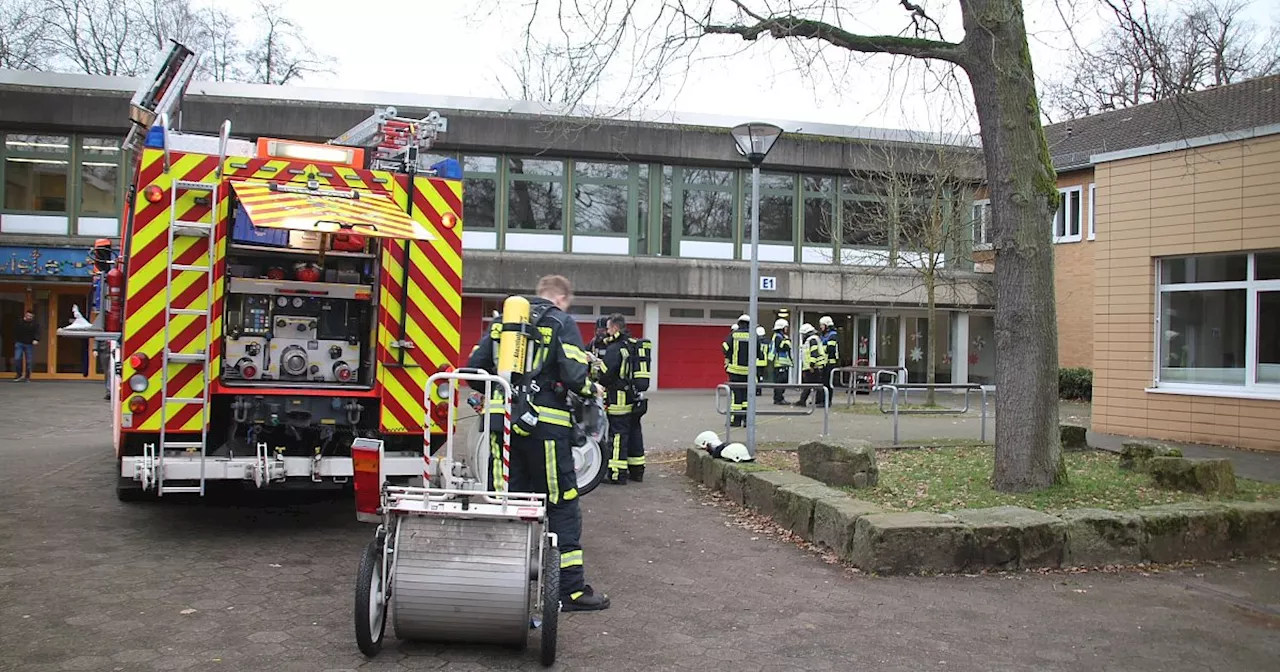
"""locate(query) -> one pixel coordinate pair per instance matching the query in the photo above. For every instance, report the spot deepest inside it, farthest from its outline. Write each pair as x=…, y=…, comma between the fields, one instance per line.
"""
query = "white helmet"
x=779, y=325
x=735, y=452
x=759, y=331
x=707, y=440
x=806, y=328
x=826, y=321
x=744, y=318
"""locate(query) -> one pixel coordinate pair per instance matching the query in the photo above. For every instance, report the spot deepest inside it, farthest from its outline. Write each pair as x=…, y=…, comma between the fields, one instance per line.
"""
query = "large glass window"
x=480, y=192
x=777, y=208
x=36, y=172
x=708, y=204
x=99, y=176
x=600, y=197
x=1219, y=322
x=819, y=210
x=536, y=198
x=865, y=223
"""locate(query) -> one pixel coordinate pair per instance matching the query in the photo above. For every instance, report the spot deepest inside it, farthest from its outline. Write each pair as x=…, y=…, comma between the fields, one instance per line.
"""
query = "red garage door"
x=689, y=357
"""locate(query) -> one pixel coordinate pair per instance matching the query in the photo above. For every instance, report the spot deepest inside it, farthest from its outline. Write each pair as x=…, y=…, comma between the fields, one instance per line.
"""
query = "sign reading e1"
x=768, y=283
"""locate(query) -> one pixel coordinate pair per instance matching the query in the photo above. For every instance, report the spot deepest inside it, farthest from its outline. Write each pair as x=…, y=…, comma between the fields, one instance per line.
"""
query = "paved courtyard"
x=88, y=583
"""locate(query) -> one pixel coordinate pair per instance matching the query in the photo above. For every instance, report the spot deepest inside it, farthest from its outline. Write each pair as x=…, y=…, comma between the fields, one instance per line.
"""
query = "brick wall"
x=1073, y=281
x=1221, y=198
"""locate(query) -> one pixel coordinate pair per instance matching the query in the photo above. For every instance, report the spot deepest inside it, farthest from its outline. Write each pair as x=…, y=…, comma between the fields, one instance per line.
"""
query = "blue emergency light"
x=449, y=169
x=155, y=138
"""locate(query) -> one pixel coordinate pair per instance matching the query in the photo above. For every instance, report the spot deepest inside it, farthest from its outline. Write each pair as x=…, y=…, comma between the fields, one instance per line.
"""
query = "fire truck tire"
x=129, y=490
x=550, y=603
x=371, y=609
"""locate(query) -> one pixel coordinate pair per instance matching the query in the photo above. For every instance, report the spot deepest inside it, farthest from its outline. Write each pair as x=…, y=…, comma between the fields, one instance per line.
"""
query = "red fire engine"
x=276, y=299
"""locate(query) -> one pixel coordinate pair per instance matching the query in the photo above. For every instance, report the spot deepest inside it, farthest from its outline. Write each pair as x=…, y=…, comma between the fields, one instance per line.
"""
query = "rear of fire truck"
x=281, y=299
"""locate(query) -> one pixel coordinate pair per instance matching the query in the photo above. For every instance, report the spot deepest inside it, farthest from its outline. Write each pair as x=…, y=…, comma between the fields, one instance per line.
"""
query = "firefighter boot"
x=636, y=473
x=585, y=600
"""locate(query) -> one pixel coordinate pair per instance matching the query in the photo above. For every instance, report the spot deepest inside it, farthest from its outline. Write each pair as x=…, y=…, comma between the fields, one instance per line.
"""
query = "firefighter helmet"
x=779, y=325
x=826, y=321
x=806, y=328
x=707, y=440
x=735, y=452
x=759, y=331
x=744, y=319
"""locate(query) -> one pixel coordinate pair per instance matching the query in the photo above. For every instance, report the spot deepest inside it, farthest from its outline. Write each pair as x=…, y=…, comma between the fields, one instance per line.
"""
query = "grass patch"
x=941, y=479
x=873, y=408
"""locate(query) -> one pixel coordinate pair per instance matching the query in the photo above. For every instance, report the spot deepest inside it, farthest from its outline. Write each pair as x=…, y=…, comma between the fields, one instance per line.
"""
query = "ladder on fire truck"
x=152, y=107
x=397, y=143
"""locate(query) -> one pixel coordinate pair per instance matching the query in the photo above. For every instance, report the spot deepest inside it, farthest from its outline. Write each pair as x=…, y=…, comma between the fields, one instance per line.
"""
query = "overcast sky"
x=455, y=52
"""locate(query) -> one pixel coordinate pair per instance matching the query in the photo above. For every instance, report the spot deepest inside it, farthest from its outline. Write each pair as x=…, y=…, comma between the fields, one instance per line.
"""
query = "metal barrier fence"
x=807, y=409
x=904, y=388
x=849, y=379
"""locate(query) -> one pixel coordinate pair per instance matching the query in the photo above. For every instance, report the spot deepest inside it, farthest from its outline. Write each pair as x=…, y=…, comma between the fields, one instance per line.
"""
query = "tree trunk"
x=1024, y=196
x=930, y=369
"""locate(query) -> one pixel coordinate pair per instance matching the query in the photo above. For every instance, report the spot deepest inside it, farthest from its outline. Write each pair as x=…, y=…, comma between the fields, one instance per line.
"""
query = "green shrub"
x=1075, y=383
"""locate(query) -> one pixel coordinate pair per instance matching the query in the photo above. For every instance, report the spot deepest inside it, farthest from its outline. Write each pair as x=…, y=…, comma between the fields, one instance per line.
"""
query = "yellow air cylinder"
x=512, y=345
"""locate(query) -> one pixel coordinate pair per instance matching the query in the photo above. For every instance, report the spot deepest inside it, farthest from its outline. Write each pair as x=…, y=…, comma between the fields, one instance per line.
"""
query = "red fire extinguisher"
x=115, y=287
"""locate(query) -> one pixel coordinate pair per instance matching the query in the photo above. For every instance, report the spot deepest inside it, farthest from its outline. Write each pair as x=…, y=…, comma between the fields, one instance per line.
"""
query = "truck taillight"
x=440, y=415
x=153, y=193
x=366, y=469
x=137, y=404
x=139, y=361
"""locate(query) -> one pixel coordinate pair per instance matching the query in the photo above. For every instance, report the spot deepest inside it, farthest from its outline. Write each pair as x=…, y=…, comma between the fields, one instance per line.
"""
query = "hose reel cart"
x=453, y=561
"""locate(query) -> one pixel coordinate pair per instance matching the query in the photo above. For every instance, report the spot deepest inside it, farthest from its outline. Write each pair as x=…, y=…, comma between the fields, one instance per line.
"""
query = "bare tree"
x=649, y=39
x=915, y=214
x=97, y=37
x=224, y=56
x=1151, y=54
x=24, y=31
x=280, y=55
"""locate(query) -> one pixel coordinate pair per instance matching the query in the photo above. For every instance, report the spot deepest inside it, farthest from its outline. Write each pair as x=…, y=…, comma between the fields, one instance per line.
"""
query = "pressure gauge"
x=282, y=301
x=297, y=302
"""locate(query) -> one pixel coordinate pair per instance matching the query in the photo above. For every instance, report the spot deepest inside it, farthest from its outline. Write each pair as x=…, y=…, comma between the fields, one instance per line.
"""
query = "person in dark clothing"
x=780, y=353
x=26, y=338
x=542, y=459
x=737, y=363
x=626, y=446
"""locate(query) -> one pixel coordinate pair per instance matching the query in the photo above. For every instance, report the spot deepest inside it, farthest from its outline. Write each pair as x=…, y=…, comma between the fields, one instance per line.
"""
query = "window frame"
x=1251, y=389
x=562, y=178
x=1063, y=200
x=1093, y=211
x=495, y=177
x=67, y=157
x=729, y=190
x=624, y=183
x=985, y=242
x=767, y=191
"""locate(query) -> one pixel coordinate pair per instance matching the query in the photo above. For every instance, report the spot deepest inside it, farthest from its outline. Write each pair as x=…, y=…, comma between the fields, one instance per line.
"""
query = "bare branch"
x=790, y=26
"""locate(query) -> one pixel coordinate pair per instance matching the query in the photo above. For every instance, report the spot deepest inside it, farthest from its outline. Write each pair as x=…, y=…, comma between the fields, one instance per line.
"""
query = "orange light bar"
x=310, y=152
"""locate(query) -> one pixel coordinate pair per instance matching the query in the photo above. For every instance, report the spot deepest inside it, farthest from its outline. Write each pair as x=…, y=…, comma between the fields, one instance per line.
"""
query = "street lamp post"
x=754, y=140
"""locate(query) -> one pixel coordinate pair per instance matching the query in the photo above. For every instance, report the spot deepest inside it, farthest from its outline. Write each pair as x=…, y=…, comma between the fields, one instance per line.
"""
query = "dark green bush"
x=1075, y=383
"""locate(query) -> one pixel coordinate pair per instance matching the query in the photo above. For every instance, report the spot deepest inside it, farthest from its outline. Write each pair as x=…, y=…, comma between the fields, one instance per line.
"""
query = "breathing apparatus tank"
x=513, y=345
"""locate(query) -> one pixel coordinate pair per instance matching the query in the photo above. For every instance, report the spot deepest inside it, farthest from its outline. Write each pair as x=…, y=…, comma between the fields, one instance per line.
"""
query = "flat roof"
x=307, y=94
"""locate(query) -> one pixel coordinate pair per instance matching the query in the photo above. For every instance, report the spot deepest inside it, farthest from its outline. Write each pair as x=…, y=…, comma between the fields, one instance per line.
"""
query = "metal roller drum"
x=463, y=580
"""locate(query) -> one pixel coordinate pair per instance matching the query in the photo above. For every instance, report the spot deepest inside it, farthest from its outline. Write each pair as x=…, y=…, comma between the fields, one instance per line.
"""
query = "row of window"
x=1068, y=221
x=1219, y=321
x=542, y=195
x=71, y=175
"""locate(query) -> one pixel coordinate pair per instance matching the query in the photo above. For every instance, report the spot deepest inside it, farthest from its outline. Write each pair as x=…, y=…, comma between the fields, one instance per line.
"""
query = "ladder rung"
x=184, y=400
x=188, y=311
x=195, y=186
x=181, y=445
x=180, y=489
x=186, y=357
x=189, y=267
x=192, y=229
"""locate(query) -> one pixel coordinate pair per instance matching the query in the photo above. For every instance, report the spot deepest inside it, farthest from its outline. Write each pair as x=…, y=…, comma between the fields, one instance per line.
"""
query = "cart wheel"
x=588, y=465
x=550, y=602
x=371, y=608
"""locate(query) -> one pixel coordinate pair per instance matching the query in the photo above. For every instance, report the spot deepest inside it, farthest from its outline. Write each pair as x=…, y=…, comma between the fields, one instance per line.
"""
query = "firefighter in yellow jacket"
x=813, y=361
x=737, y=363
x=625, y=449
